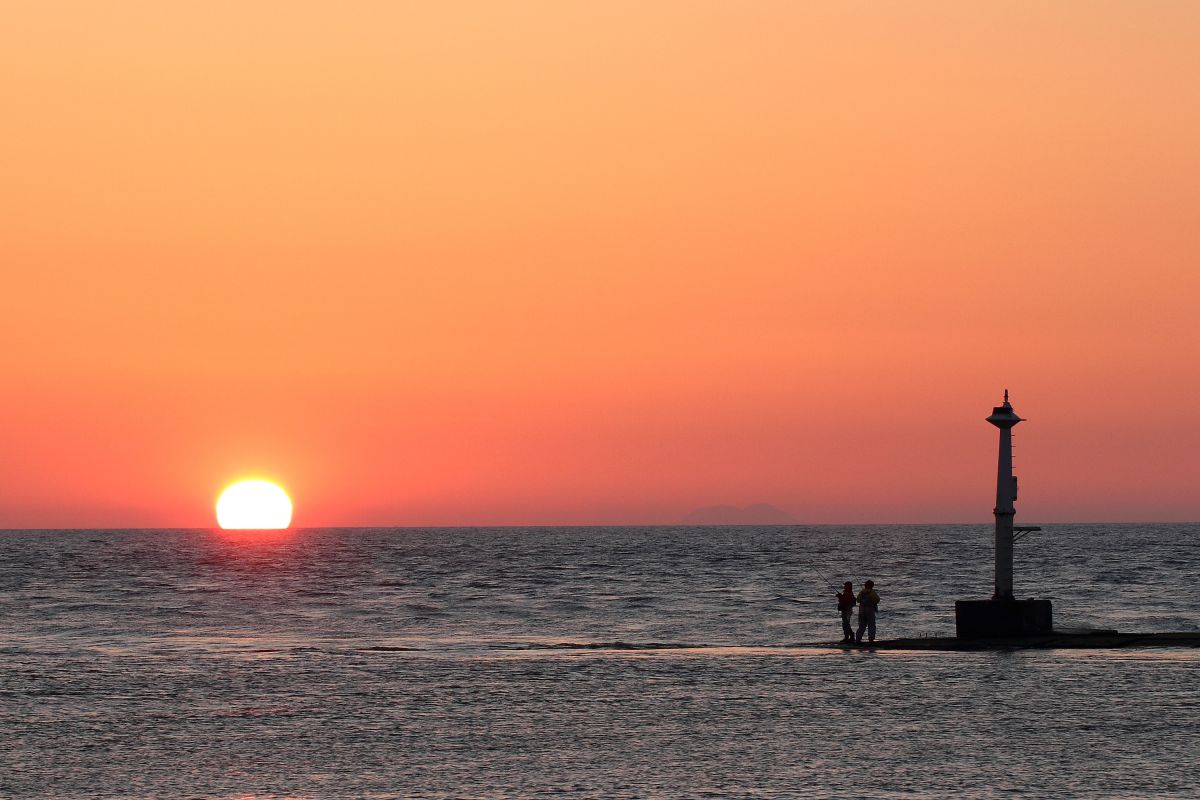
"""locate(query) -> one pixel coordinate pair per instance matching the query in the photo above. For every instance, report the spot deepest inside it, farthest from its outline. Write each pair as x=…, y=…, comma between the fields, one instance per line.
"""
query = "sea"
x=597, y=662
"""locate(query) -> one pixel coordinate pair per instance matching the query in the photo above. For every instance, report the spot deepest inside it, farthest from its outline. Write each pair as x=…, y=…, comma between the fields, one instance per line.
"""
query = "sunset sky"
x=553, y=262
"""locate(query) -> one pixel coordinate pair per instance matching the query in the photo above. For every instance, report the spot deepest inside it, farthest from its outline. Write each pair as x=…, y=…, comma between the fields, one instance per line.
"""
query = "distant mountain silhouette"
x=757, y=514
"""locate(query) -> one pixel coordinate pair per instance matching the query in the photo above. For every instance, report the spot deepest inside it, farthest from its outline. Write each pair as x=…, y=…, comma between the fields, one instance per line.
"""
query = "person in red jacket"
x=846, y=602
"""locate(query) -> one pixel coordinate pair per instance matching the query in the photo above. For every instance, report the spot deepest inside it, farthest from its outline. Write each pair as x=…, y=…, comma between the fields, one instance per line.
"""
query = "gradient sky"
x=582, y=262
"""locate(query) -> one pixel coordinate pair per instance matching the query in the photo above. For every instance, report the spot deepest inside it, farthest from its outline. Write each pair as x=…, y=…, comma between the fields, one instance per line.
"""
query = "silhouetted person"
x=868, y=607
x=846, y=604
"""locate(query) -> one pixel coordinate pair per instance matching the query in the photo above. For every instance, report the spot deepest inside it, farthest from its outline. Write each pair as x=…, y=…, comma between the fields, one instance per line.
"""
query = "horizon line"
x=580, y=526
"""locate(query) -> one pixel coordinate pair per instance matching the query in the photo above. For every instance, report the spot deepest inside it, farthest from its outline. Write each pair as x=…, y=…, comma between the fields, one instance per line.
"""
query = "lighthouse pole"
x=1004, y=418
x=1004, y=616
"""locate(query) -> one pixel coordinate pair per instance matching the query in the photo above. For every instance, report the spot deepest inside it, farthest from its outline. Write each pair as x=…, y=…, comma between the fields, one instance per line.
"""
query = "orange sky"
x=579, y=262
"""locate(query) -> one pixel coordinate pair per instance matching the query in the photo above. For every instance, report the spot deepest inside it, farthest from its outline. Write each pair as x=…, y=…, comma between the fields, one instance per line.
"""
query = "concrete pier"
x=1092, y=640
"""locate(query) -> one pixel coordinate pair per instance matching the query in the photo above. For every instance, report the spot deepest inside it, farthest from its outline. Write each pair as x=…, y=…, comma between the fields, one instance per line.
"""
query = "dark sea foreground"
x=583, y=662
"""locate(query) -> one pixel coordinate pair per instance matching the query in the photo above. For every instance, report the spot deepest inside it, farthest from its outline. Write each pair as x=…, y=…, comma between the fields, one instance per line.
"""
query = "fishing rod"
x=820, y=576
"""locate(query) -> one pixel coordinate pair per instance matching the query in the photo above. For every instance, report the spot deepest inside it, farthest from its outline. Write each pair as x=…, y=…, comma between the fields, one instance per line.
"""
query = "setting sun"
x=254, y=505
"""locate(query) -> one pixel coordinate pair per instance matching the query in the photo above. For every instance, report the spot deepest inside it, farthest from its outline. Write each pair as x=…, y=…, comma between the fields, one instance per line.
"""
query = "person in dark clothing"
x=868, y=607
x=846, y=604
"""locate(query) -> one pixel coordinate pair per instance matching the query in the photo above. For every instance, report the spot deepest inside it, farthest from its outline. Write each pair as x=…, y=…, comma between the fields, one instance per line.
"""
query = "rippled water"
x=586, y=662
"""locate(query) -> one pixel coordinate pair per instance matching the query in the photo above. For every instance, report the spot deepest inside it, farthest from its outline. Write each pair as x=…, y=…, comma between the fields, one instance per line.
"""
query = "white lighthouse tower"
x=1004, y=418
x=1004, y=616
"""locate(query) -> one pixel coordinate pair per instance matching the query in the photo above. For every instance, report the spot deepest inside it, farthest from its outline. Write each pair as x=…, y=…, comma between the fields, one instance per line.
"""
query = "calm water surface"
x=585, y=662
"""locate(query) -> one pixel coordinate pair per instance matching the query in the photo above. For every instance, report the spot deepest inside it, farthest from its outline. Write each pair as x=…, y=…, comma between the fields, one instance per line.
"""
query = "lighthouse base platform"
x=992, y=619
